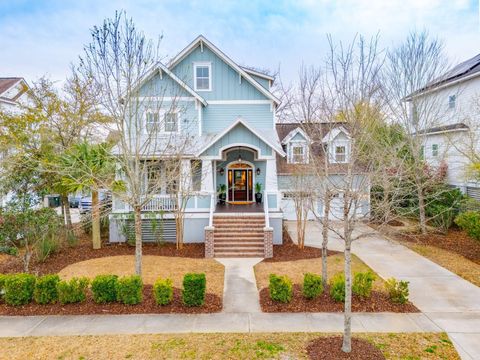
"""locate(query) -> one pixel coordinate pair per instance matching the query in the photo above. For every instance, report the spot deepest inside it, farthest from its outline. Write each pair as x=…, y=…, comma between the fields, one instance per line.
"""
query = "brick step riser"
x=238, y=246
x=239, y=240
x=248, y=222
x=239, y=252
x=233, y=230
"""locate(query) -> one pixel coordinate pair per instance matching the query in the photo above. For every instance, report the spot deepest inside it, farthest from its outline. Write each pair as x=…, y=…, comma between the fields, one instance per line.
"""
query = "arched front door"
x=240, y=182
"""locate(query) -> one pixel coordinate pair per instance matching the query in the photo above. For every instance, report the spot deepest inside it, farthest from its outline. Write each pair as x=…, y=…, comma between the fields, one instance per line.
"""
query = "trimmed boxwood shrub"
x=19, y=289
x=397, y=290
x=337, y=287
x=46, y=289
x=129, y=290
x=73, y=291
x=104, y=288
x=163, y=291
x=280, y=288
x=194, y=286
x=363, y=283
x=312, y=285
x=470, y=222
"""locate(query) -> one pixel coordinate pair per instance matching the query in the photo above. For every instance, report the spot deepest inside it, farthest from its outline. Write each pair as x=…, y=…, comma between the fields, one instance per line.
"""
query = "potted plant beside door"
x=222, y=193
x=258, y=193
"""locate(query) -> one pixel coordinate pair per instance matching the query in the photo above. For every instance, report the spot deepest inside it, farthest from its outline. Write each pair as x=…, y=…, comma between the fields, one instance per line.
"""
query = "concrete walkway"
x=451, y=302
x=240, y=293
x=19, y=326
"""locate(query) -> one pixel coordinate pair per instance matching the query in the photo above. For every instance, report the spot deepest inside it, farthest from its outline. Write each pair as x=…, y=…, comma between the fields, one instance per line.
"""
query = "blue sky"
x=42, y=37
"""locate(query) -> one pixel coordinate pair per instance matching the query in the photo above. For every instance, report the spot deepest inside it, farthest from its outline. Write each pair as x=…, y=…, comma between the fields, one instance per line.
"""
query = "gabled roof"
x=258, y=73
x=463, y=71
x=159, y=67
x=8, y=83
x=332, y=134
x=264, y=137
x=294, y=132
x=202, y=41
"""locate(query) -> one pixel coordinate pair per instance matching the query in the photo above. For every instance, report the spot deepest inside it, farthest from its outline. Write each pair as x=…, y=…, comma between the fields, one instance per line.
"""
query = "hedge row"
x=281, y=289
x=21, y=289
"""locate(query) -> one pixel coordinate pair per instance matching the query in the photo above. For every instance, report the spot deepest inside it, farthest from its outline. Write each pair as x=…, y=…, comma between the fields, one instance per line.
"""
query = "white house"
x=455, y=137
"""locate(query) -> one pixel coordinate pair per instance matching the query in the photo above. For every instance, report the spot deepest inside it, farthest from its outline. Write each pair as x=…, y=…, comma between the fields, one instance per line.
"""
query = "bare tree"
x=145, y=111
x=411, y=71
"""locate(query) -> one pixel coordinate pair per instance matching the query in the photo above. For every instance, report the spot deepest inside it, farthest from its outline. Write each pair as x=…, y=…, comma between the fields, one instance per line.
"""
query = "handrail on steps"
x=265, y=208
x=212, y=208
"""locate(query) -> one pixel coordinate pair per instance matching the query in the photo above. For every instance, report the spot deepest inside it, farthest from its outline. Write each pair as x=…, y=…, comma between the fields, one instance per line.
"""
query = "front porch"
x=239, y=208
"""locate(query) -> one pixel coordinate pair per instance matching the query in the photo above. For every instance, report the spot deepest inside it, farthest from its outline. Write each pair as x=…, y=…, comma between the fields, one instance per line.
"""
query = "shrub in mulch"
x=328, y=348
x=377, y=302
x=163, y=291
x=213, y=303
x=194, y=285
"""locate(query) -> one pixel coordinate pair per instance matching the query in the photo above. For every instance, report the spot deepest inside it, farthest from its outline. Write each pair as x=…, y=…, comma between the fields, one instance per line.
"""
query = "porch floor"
x=241, y=208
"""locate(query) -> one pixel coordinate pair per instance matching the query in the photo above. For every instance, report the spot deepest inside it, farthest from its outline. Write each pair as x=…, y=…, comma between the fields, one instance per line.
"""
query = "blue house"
x=227, y=112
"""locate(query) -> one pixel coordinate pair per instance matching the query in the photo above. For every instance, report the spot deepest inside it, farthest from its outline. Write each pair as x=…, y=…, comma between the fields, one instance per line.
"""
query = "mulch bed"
x=83, y=251
x=378, y=302
x=213, y=303
x=456, y=241
x=289, y=251
x=328, y=348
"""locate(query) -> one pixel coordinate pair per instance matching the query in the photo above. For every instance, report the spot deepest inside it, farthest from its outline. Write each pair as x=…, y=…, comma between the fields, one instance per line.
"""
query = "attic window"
x=340, y=154
x=298, y=153
x=452, y=99
x=203, y=76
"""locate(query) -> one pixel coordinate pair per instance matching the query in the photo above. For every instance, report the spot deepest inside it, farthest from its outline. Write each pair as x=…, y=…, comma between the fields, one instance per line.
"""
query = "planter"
x=222, y=198
x=258, y=198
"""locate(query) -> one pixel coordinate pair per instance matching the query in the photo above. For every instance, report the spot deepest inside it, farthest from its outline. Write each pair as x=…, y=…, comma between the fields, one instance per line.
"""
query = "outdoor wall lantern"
x=221, y=171
x=258, y=171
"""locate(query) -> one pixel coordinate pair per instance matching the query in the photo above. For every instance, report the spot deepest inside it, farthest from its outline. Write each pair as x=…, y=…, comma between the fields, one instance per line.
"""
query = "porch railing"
x=212, y=209
x=160, y=203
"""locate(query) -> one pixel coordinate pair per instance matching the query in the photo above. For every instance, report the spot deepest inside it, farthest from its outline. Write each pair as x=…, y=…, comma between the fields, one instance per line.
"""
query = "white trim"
x=225, y=58
x=252, y=168
x=259, y=74
x=207, y=64
x=200, y=119
x=240, y=102
x=294, y=132
x=15, y=84
x=223, y=154
x=305, y=149
x=168, y=98
x=332, y=134
x=443, y=132
x=244, y=123
x=161, y=119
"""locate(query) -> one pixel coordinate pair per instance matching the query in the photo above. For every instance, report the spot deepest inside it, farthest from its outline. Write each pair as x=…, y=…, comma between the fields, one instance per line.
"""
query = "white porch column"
x=186, y=174
x=271, y=181
x=207, y=176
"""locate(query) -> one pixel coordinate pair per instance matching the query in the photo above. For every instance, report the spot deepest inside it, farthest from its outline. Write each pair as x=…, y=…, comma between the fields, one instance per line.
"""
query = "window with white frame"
x=434, y=150
x=298, y=154
x=171, y=121
x=152, y=121
x=203, y=76
x=452, y=99
x=340, y=153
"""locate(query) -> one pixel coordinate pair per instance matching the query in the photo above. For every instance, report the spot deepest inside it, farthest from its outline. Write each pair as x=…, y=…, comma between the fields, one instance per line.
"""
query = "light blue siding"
x=264, y=82
x=246, y=156
x=225, y=80
x=298, y=137
x=272, y=201
x=164, y=86
x=239, y=134
x=218, y=117
x=203, y=202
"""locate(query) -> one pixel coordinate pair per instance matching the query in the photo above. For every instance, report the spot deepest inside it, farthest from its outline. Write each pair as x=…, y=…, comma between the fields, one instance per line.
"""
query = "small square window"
x=298, y=154
x=203, y=77
x=452, y=99
x=340, y=154
x=171, y=122
x=152, y=121
x=434, y=150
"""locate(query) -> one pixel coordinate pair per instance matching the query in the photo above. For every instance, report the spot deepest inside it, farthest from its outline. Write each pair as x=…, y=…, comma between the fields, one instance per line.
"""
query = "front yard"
x=216, y=346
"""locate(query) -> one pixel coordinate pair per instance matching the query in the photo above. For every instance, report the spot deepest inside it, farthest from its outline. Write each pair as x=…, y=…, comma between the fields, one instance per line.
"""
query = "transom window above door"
x=203, y=76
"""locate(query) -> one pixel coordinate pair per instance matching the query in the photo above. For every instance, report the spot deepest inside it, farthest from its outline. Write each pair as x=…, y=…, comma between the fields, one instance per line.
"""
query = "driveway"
x=451, y=302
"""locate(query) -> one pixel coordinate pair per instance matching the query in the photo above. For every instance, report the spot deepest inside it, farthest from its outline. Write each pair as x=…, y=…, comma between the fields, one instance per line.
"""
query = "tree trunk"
x=26, y=259
x=421, y=210
x=347, y=331
x=138, y=240
x=68, y=215
x=180, y=228
x=325, y=223
x=96, y=240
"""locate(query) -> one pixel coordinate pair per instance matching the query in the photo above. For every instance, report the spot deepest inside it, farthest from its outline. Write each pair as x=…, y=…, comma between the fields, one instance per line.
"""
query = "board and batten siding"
x=226, y=82
x=238, y=135
x=218, y=117
x=163, y=86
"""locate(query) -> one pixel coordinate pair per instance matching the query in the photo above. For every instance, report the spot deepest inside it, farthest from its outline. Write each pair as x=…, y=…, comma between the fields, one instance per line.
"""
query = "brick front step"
x=239, y=246
x=258, y=239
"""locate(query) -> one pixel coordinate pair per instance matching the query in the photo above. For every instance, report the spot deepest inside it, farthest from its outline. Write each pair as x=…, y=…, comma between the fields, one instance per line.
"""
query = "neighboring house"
x=14, y=92
x=455, y=138
x=229, y=112
x=307, y=144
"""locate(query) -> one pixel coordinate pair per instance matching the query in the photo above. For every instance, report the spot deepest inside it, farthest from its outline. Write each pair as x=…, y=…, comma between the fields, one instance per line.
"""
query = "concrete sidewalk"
x=19, y=326
x=451, y=302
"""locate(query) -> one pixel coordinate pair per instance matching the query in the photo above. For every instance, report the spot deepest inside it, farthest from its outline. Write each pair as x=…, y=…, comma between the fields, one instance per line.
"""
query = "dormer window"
x=340, y=154
x=452, y=99
x=203, y=76
x=298, y=152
